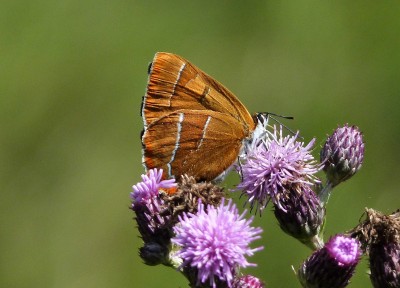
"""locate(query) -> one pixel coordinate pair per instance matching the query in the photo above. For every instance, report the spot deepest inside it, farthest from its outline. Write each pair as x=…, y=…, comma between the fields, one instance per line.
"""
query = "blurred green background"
x=72, y=77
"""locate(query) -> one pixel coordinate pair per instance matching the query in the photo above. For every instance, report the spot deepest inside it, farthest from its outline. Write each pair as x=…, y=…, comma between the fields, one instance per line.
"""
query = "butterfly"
x=192, y=124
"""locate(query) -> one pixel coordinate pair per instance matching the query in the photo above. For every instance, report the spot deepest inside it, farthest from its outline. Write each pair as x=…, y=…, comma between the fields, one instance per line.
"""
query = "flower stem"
x=325, y=193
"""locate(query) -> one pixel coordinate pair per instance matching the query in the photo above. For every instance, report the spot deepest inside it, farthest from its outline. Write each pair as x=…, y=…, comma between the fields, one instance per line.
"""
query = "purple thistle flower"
x=274, y=164
x=147, y=203
x=331, y=266
x=247, y=281
x=343, y=154
x=151, y=224
x=346, y=251
x=149, y=188
x=215, y=242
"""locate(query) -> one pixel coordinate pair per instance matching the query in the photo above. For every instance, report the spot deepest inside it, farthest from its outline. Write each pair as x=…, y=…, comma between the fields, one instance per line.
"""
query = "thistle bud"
x=342, y=154
x=302, y=216
x=384, y=262
x=379, y=235
x=153, y=253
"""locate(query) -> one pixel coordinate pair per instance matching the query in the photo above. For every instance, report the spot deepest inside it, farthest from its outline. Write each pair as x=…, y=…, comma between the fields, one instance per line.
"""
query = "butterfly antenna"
x=283, y=125
x=275, y=117
x=280, y=116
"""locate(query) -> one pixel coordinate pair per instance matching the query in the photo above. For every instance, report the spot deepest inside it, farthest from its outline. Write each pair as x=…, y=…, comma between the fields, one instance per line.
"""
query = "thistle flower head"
x=149, y=187
x=343, y=154
x=380, y=238
x=247, y=281
x=215, y=242
x=346, y=251
x=384, y=262
x=189, y=193
x=302, y=216
x=333, y=265
x=153, y=228
x=274, y=164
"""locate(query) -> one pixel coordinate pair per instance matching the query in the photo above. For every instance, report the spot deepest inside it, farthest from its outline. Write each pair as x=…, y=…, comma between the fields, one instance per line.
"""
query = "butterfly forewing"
x=175, y=83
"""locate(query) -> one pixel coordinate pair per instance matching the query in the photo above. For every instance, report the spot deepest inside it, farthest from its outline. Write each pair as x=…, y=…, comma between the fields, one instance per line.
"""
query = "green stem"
x=325, y=193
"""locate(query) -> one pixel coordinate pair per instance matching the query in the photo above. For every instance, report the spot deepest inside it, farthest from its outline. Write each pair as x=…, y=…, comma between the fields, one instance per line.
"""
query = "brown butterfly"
x=192, y=124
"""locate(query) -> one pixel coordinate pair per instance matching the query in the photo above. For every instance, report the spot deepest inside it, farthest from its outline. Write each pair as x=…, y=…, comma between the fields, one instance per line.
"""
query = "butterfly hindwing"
x=194, y=142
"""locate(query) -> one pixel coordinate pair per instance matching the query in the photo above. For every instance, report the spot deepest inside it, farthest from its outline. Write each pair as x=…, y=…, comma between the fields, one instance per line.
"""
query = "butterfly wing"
x=174, y=84
x=200, y=143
